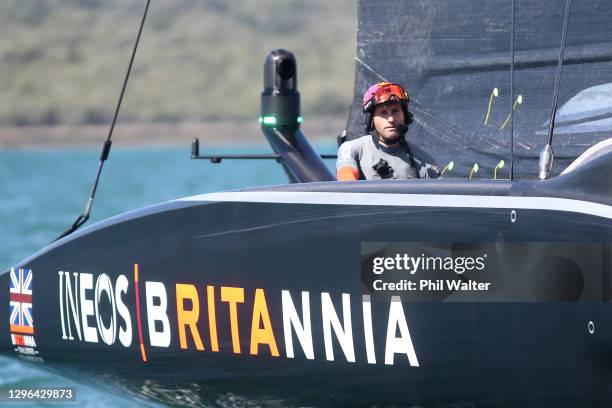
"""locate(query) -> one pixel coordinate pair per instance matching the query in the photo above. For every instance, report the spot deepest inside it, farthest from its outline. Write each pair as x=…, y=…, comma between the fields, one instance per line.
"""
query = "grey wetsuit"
x=376, y=161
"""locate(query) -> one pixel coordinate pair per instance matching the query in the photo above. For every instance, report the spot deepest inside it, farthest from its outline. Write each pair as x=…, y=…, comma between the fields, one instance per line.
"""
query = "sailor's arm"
x=347, y=166
x=347, y=173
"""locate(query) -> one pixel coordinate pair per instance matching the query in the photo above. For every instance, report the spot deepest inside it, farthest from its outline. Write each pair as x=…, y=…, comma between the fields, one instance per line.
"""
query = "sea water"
x=43, y=191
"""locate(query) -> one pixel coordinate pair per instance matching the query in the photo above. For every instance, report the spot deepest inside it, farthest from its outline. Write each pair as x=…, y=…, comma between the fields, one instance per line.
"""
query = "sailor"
x=384, y=152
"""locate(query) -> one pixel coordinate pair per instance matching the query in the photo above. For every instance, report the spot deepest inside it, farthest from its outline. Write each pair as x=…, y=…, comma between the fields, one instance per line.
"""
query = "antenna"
x=512, y=95
x=547, y=155
x=82, y=219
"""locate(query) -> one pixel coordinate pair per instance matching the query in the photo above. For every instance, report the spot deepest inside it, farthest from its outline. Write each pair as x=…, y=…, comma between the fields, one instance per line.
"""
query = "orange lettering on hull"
x=263, y=335
x=233, y=296
x=188, y=318
x=212, y=318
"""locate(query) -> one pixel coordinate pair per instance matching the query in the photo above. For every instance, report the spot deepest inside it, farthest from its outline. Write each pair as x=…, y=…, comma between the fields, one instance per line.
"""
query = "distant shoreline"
x=220, y=132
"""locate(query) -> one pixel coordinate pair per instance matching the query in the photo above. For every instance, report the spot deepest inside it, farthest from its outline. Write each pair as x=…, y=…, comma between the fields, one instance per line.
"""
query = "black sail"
x=452, y=54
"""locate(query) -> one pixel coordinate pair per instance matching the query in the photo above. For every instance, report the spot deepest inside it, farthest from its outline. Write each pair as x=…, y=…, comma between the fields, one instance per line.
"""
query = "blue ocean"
x=43, y=191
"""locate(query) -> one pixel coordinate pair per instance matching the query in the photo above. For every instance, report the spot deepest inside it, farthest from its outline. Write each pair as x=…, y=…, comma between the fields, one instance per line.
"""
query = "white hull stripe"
x=411, y=200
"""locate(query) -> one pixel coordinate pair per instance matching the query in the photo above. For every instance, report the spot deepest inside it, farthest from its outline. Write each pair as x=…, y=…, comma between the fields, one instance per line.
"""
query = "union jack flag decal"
x=20, y=306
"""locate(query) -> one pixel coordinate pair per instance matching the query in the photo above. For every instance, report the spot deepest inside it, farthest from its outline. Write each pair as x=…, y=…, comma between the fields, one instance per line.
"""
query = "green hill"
x=63, y=62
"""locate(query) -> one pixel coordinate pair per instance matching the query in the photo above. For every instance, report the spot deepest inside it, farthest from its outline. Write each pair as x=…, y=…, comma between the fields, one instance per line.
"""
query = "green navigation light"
x=300, y=119
x=260, y=120
x=269, y=120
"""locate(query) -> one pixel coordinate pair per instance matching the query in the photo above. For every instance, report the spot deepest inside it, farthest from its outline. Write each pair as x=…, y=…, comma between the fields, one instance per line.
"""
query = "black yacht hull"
x=104, y=303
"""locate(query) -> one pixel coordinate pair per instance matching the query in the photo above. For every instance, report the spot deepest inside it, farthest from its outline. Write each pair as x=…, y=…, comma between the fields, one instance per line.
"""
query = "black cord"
x=82, y=219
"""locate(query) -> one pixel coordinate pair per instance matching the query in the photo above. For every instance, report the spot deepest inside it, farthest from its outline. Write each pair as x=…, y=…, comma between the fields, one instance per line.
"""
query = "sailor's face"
x=386, y=118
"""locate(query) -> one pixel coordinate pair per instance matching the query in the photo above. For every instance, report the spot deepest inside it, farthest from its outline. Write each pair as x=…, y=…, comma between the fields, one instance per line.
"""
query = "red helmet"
x=383, y=93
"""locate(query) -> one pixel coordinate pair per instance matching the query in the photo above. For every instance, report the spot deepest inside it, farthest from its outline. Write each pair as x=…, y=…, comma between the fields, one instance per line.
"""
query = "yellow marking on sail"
x=500, y=165
x=519, y=100
x=494, y=94
x=448, y=167
x=474, y=169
